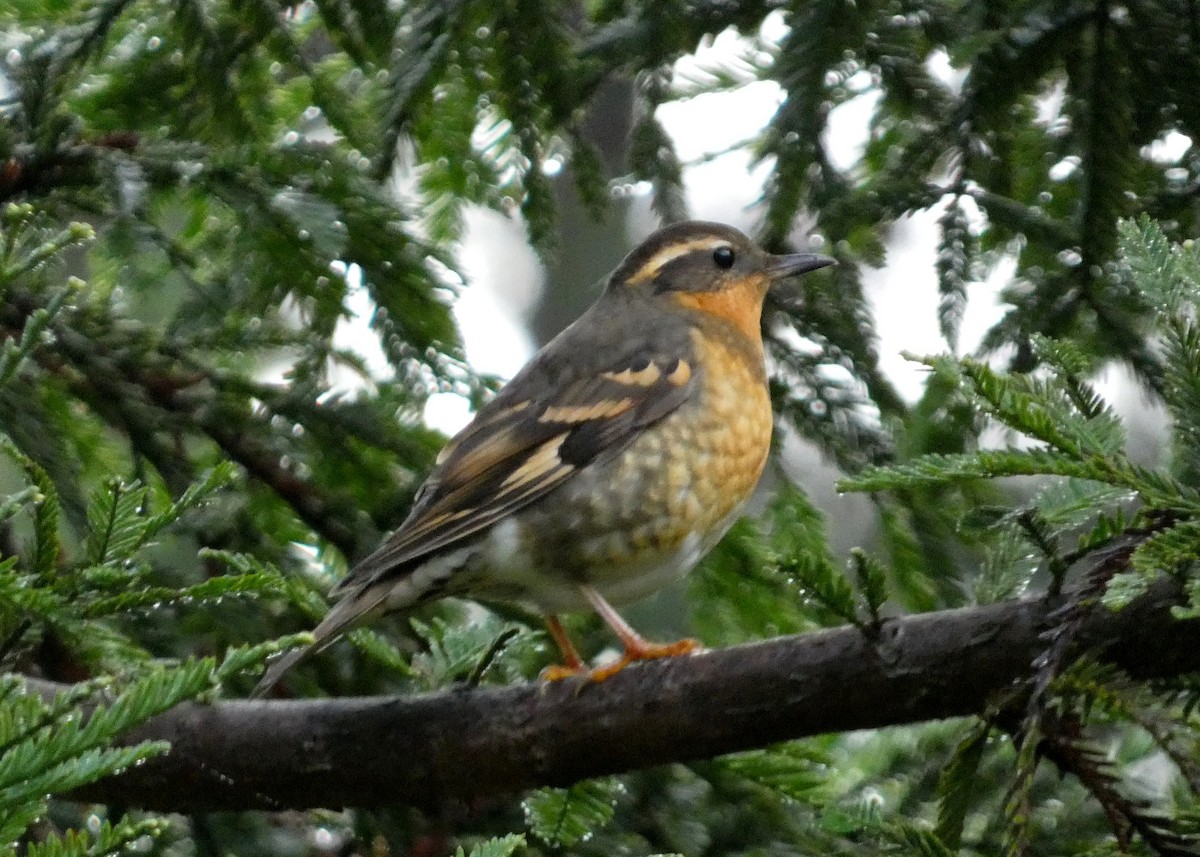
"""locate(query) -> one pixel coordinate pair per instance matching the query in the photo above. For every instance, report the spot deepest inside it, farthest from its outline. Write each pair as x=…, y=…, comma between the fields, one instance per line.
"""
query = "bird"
x=608, y=466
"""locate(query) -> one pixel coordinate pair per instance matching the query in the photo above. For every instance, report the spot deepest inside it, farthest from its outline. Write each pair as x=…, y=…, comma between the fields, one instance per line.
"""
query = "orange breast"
x=632, y=523
x=733, y=426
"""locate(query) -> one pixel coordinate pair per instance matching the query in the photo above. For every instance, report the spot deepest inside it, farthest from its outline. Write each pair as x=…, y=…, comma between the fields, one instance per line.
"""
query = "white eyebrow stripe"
x=673, y=251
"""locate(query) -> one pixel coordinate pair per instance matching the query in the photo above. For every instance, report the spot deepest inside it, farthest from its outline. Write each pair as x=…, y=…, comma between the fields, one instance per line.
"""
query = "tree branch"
x=463, y=744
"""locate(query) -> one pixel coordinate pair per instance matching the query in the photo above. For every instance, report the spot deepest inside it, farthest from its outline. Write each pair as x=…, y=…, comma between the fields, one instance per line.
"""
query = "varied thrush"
x=609, y=465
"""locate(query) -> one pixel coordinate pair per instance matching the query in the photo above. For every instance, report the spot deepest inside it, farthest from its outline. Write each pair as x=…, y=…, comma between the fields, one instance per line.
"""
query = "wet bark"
x=469, y=743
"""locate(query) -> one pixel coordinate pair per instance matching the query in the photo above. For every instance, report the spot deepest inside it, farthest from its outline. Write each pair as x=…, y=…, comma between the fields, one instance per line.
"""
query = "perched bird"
x=609, y=465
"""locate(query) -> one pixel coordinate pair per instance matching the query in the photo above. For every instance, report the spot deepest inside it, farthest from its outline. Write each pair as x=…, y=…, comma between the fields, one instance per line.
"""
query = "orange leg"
x=636, y=648
x=572, y=664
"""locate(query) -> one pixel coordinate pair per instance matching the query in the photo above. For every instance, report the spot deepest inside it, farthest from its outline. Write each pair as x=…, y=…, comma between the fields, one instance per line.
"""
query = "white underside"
x=509, y=579
x=428, y=578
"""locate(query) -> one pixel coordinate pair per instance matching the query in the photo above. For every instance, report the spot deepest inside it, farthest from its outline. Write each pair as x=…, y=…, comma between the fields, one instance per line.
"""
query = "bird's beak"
x=781, y=267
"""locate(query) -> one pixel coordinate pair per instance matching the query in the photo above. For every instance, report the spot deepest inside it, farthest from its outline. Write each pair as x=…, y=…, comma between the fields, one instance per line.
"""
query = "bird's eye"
x=723, y=256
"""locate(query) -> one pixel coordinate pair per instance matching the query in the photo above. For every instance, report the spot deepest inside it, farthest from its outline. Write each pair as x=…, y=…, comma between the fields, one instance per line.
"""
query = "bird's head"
x=712, y=268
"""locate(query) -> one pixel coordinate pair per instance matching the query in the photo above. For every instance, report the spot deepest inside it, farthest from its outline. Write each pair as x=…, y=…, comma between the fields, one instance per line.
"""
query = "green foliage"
x=30, y=244
x=119, y=525
x=955, y=260
x=985, y=464
x=109, y=839
x=652, y=152
x=754, y=584
x=57, y=744
x=1168, y=276
x=956, y=785
x=871, y=577
x=501, y=846
x=792, y=770
x=198, y=196
x=563, y=817
x=1079, y=517
x=33, y=334
x=781, y=577
x=922, y=842
x=805, y=562
x=47, y=748
x=468, y=652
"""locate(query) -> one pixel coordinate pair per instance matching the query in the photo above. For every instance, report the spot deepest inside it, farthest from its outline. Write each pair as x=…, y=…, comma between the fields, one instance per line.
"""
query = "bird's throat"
x=741, y=308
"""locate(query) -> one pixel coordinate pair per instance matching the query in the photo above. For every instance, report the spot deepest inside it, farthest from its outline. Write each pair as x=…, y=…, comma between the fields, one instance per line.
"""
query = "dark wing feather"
x=535, y=435
x=527, y=441
x=585, y=397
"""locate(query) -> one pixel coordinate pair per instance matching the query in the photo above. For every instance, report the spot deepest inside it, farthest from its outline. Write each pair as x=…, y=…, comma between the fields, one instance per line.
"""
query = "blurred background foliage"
x=194, y=446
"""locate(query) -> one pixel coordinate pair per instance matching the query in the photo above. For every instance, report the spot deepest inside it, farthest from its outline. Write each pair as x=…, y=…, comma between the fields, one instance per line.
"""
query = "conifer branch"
x=144, y=402
x=466, y=744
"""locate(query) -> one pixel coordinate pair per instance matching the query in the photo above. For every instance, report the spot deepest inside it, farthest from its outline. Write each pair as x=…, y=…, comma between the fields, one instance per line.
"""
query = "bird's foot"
x=559, y=672
x=642, y=652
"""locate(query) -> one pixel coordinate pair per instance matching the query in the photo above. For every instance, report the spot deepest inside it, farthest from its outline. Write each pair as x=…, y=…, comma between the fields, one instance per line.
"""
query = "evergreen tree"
x=191, y=194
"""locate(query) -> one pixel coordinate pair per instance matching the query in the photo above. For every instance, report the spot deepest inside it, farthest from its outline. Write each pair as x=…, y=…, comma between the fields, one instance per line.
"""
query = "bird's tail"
x=353, y=610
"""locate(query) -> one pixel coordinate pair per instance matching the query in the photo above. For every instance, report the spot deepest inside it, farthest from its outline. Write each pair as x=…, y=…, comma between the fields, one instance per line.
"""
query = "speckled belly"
x=633, y=524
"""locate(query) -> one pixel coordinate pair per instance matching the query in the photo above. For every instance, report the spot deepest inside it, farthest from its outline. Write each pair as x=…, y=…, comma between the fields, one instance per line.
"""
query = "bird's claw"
x=642, y=652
